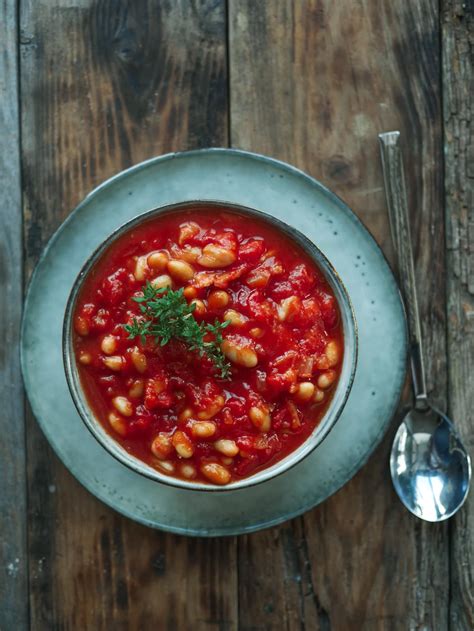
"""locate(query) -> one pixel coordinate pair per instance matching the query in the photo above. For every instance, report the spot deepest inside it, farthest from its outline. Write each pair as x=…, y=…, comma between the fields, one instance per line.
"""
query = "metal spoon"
x=431, y=470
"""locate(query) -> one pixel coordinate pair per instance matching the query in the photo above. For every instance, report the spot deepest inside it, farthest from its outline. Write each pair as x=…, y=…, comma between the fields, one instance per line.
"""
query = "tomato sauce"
x=170, y=407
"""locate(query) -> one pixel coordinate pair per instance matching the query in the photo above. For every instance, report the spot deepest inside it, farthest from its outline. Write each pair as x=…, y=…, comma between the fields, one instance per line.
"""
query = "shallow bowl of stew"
x=209, y=346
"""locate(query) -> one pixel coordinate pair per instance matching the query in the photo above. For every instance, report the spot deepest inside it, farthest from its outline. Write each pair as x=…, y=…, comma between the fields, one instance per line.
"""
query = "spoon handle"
x=395, y=190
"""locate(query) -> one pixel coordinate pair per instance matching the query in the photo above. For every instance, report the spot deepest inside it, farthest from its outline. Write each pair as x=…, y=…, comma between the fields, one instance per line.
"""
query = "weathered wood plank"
x=321, y=80
x=275, y=582
x=458, y=91
x=105, y=85
x=13, y=555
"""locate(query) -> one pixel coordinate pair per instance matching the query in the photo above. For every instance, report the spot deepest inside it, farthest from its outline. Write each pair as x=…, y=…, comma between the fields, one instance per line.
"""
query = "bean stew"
x=208, y=344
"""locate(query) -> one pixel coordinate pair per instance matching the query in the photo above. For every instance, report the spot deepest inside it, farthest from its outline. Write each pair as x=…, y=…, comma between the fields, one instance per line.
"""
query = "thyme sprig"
x=167, y=315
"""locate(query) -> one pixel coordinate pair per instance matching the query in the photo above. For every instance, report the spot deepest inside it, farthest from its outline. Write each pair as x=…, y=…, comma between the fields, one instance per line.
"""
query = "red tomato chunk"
x=168, y=406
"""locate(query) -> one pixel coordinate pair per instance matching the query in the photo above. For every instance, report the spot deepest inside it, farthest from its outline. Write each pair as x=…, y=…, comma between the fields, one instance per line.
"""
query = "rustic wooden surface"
x=458, y=94
x=13, y=553
x=106, y=84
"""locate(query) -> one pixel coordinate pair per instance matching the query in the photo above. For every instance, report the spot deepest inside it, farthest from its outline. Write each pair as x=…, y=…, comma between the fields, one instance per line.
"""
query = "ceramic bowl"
x=340, y=394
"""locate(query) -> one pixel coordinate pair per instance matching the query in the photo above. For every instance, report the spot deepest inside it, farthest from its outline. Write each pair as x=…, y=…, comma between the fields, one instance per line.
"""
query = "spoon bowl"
x=430, y=467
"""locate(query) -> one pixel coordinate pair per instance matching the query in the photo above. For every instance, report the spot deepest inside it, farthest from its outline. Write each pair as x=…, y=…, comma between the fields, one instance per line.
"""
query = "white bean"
x=326, y=379
x=161, y=447
x=118, y=423
x=190, y=253
x=139, y=360
x=162, y=281
x=85, y=358
x=199, y=308
x=166, y=466
x=114, y=362
x=141, y=268
x=188, y=471
x=214, y=256
x=234, y=317
x=157, y=261
x=136, y=389
x=216, y=473
x=243, y=356
x=82, y=326
x=109, y=345
x=218, y=299
x=180, y=271
x=304, y=391
x=227, y=447
x=190, y=292
x=333, y=353
x=260, y=418
x=318, y=396
x=183, y=445
x=203, y=429
x=123, y=405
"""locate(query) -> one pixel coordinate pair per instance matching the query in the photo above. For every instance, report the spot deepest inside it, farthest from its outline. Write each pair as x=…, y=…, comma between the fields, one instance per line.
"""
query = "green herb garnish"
x=169, y=316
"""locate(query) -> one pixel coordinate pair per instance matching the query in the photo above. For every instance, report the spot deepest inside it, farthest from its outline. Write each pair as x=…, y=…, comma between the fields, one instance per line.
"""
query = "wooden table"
x=89, y=88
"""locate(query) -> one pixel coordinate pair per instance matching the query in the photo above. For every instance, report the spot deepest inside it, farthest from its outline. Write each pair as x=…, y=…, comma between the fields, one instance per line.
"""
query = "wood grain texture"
x=458, y=91
x=13, y=553
x=104, y=85
x=322, y=79
x=275, y=582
